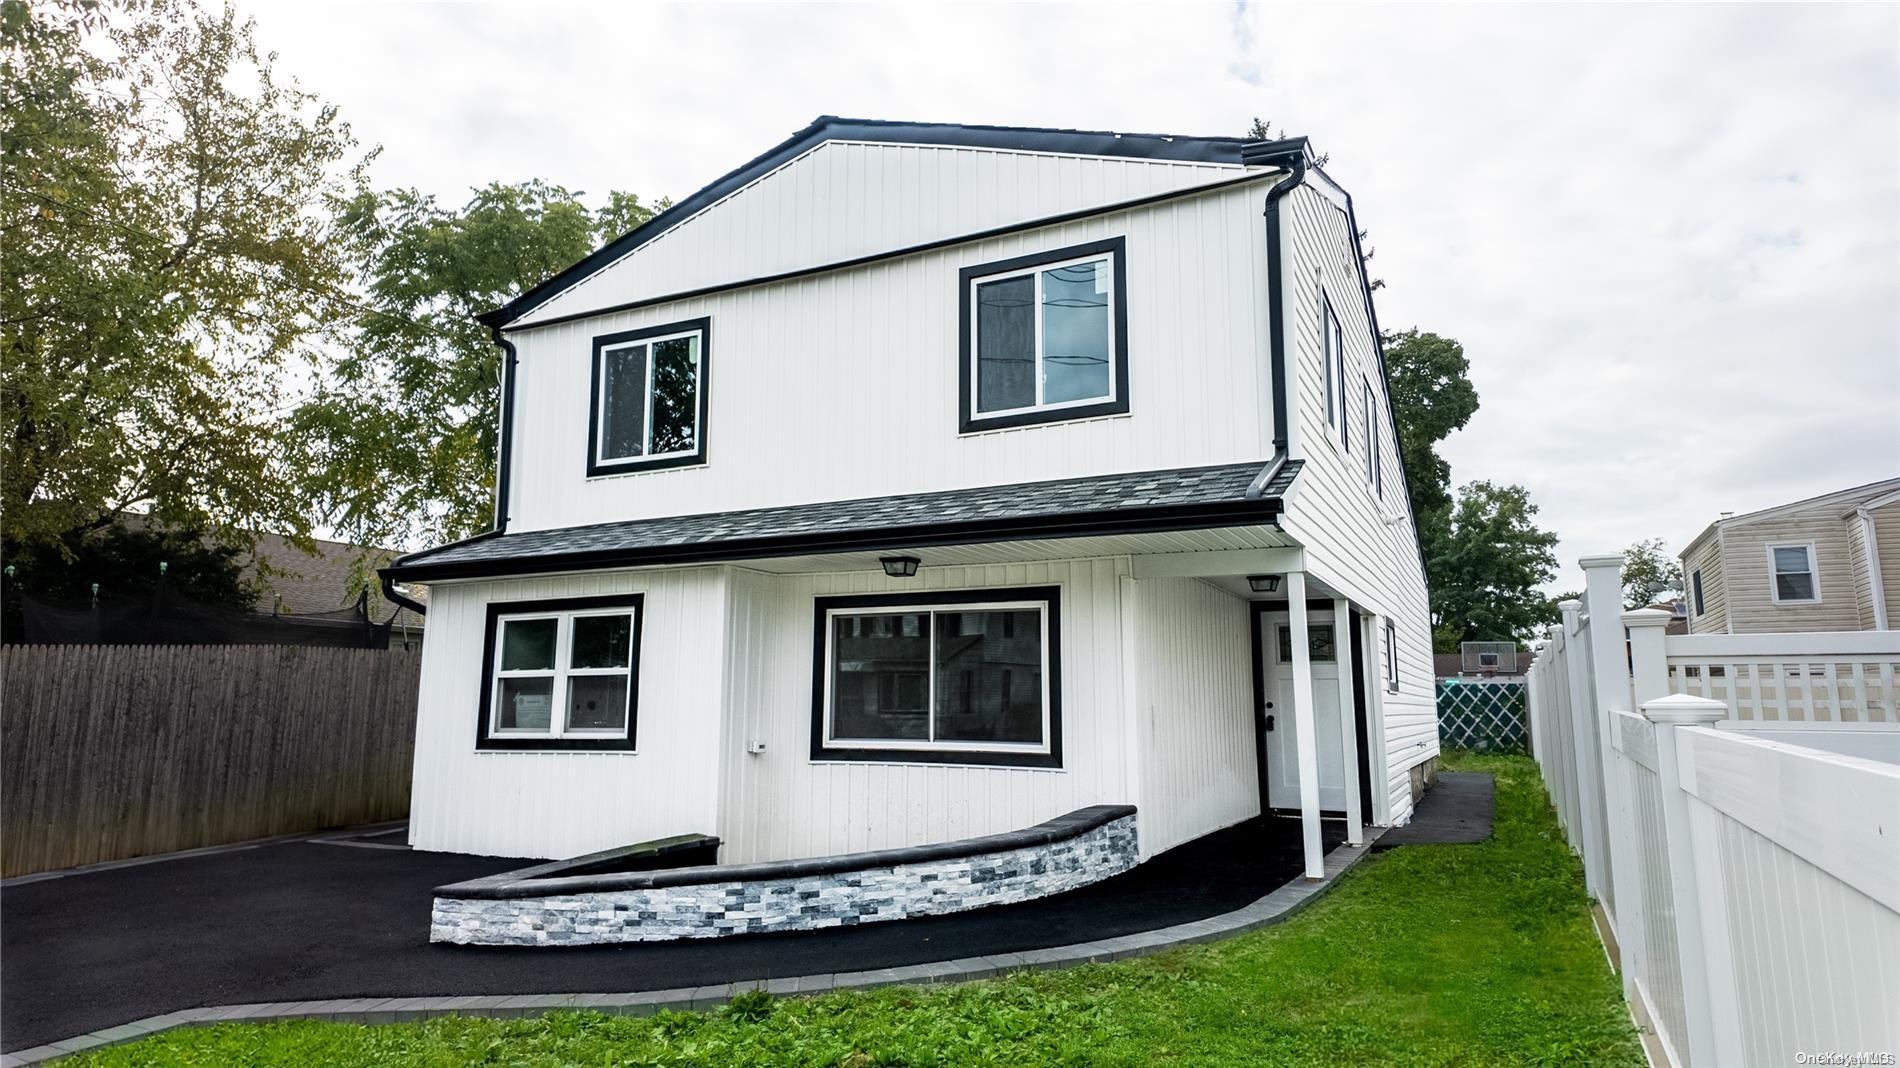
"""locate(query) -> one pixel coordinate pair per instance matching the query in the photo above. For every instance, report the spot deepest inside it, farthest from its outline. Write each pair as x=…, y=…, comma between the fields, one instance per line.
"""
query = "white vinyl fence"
x=1740, y=828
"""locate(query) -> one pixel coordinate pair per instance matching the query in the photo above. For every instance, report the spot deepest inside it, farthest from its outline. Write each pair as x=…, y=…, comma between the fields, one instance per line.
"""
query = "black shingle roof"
x=1143, y=502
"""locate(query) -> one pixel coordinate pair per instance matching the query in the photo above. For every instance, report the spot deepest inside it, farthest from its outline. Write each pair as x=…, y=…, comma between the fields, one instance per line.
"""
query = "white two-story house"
x=913, y=482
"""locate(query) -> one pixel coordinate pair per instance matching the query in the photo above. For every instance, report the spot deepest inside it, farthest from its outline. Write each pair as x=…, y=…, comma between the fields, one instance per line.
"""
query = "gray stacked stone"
x=841, y=899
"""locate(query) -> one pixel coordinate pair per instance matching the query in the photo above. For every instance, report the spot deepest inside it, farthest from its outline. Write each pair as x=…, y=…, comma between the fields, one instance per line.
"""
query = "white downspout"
x=1870, y=547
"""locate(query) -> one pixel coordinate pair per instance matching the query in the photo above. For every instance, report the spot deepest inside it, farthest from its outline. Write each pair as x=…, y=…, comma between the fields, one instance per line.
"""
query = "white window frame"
x=1391, y=657
x=600, y=389
x=929, y=743
x=561, y=673
x=1107, y=259
x=1371, y=432
x=1814, y=572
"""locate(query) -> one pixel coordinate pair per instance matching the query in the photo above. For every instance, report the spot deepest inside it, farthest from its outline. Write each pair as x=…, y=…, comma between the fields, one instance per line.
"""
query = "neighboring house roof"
x=1146, y=501
x=319, y=581
x=1224, y=150
x=1847, y=499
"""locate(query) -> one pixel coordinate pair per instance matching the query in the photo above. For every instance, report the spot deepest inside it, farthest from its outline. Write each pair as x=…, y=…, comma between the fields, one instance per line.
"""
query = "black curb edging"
x=1263, y=912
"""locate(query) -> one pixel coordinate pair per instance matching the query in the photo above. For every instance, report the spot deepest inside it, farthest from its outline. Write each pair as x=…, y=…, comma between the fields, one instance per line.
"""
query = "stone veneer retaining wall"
x=798, y=901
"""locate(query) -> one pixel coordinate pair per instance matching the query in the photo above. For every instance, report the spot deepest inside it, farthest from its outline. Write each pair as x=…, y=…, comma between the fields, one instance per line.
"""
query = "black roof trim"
x=1134, y=503
x=1225, y=150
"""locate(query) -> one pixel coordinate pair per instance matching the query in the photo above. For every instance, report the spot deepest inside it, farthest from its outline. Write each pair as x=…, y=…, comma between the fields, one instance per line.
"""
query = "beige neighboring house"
x=1828, y=563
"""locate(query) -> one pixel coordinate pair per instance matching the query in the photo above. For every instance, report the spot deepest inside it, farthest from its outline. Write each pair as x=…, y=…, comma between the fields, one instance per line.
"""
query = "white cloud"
x=1680, y=223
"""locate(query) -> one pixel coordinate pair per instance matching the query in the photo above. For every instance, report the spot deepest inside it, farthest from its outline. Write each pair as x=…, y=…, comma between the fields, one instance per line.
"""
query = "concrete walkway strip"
x=1270, y=909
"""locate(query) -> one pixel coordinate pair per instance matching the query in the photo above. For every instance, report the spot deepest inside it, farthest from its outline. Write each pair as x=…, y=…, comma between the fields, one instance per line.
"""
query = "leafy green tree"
x=1432, y=396
x=1491, y=562
x=1650, y=574
x=399, y=445
x=168, y=270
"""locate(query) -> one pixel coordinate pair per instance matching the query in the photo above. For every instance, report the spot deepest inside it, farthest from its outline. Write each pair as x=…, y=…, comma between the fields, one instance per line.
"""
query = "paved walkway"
x=1457, y=810
x=304, y=921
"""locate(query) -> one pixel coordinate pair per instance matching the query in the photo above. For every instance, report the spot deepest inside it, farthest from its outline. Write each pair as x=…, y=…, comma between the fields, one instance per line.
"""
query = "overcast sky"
x=1669, y=238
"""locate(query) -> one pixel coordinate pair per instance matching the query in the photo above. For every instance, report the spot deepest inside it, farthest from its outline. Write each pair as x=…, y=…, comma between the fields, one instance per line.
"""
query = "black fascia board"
x=1160, y=519
x=833, y=128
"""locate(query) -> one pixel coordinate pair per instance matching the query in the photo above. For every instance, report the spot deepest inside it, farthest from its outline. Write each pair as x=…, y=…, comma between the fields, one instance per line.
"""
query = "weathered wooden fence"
x=109, y=752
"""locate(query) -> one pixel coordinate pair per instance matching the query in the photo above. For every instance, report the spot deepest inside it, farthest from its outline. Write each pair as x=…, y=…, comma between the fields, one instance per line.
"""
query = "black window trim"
x=1695, y=580
x=497, y=609
x=1391, y=657
x=969, y=421
x=821, y=673
x=602, y=342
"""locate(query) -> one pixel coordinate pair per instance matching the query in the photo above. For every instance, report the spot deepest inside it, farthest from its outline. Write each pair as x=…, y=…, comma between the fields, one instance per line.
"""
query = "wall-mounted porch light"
x=1264, y=583
x=899, y=566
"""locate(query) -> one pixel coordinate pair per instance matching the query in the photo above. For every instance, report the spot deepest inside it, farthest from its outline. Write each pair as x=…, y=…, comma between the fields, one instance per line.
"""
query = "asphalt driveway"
x=303, y=920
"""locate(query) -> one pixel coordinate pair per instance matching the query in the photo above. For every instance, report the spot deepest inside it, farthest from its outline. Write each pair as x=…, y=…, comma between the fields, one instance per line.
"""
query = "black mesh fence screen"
x=162, y=617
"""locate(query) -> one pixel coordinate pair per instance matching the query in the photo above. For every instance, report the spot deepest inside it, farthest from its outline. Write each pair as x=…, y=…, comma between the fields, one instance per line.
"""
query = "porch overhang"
x=1149, y=511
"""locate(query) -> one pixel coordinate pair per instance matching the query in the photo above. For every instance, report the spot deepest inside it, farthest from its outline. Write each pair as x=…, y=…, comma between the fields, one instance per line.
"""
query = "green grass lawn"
x=1426, y=955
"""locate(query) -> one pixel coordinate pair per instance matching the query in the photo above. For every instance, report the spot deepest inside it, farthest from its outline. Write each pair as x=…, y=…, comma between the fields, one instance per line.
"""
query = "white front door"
x=1283, y=762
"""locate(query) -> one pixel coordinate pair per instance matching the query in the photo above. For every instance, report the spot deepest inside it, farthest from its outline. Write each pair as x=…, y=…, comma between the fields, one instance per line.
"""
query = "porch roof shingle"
x=1139, y=502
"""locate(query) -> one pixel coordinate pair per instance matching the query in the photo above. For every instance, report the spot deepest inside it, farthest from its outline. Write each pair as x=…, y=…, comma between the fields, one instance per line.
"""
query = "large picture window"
x=649, y=398
x=1045, y=337
x=561, y=674
x=967, y=677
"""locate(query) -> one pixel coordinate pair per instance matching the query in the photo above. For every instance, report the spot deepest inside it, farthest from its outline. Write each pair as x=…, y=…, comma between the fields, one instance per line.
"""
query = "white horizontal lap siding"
x=846, y=199
x=530, y=804
x=1751, y=607
x=783, y=804
x=1333, y=511
x=845, y=384
x=1195, y=723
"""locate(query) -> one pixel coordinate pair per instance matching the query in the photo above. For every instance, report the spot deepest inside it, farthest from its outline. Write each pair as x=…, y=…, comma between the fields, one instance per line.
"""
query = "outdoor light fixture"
x=899, y=566
x=1264, y=583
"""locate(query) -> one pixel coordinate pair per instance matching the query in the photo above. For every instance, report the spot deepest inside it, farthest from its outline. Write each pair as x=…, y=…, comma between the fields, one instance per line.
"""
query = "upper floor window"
x=561, y=674
x=649, y=398
x=1695, y=588
x=966, y=677
x=1370, y=439
x=1791, y=574
x=1045, y=337
x=1333, y=354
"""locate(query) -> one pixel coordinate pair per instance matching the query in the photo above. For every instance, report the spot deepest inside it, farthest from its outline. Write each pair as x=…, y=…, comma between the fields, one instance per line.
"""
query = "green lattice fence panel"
x=1487, y=716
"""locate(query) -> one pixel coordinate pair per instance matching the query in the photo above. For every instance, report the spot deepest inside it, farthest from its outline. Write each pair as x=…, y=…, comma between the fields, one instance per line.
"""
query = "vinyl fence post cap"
x=1646, y=617
x=1589, y=563
x=1684, y=710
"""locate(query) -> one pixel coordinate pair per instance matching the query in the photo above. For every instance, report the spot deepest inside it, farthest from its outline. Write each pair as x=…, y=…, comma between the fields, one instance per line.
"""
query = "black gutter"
x=897, y=253
x=1292, y=154
x=832, y=127
x=391, y=595
x=1262, y=511
x=504, y=447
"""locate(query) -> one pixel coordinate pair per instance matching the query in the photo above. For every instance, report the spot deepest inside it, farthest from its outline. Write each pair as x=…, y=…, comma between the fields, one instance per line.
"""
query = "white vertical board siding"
x=783, y=804
x=845, y=199
x=1332, y=511
x=528, y=804
x=1198, y=766
x=843, y=385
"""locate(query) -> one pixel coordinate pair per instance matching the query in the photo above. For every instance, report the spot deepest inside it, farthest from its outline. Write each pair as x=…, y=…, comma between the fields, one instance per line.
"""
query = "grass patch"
x=1425, y=955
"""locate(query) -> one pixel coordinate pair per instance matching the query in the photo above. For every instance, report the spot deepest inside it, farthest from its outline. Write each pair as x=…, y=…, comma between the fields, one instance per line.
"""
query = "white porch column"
x=1305, y=724
x=1349, y=679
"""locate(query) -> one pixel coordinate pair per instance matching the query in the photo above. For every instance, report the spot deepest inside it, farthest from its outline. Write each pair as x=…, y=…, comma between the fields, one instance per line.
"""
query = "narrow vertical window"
x=1695, y=584
x=649, y=398
x=1391, y=658
x=1370, y=439
x=1044, y=337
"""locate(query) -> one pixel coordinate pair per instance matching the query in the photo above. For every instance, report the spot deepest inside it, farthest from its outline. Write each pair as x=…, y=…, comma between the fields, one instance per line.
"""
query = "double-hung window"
x=1333, y=354
x=968, y=678
x=649, y=402
x=1791, y=573
x=561, y=674
x=1044, y=337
